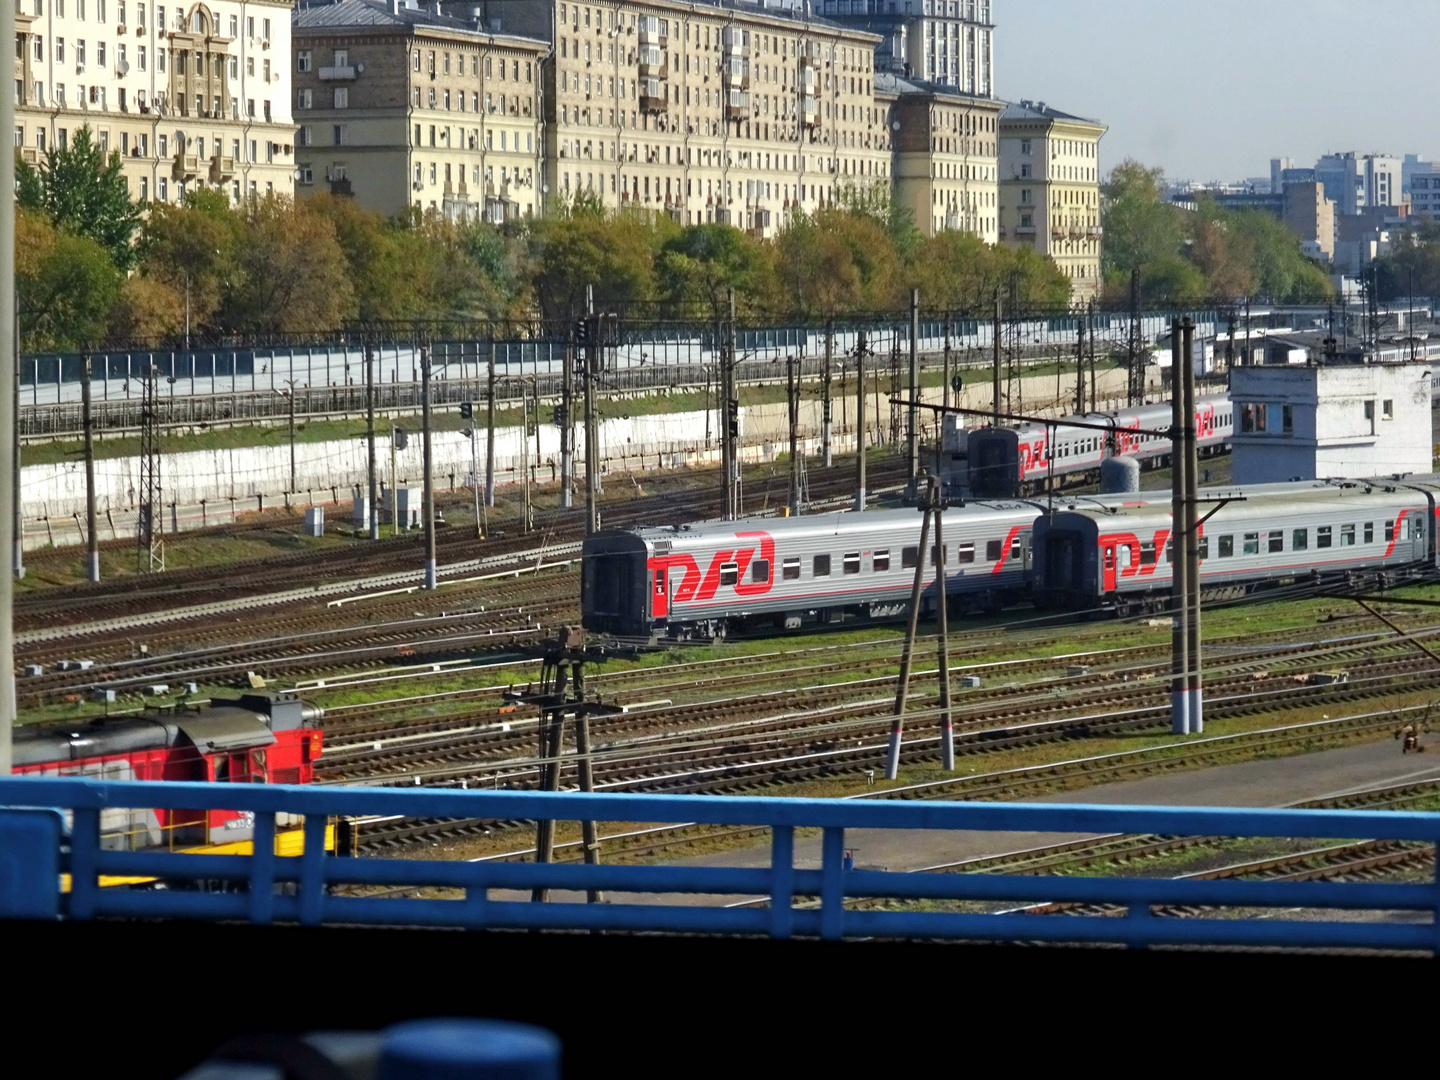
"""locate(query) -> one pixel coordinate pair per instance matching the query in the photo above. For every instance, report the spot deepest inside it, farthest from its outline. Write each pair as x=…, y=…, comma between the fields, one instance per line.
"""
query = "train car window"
x=729, y=573
x=1300, y=539
x=1147, y=553
x=992, y=550
x=852, y=562
x=1347, y=535
x=881, y=562
x=760, y=571
x=1227, y=546
x=1204, y=546
x=1252, y=543
x=1170, y=551
x=790, y=570
x=966, y=553
x=1369, y=532
x=909, y=557
x=1389, y=531
x=1416, y=528
x=1015, y=546
x=1322, y=536
x=939, y=556
x=821, y=566
x=1277, y=539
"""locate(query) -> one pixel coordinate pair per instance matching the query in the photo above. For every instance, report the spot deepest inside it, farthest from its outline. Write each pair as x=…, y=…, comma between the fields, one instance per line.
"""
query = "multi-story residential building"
x=1050, y=189
x=194, y=94
x=945, y=168
x=708, y=110
x=1425, y=194
x=410, y=109
x=1311, y=216
x=946, y=42
x=1355, y=183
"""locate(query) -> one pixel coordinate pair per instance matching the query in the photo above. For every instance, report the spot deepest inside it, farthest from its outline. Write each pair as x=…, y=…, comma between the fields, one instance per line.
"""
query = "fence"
x=656, y=898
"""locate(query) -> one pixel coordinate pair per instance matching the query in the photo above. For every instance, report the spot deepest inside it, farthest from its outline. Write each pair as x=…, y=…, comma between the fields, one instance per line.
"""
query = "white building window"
x=342, y=97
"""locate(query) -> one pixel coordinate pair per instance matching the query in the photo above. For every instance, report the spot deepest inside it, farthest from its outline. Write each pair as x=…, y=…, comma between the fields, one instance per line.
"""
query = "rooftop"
x=338, y=14
x=1038, y=110
x=887, y=82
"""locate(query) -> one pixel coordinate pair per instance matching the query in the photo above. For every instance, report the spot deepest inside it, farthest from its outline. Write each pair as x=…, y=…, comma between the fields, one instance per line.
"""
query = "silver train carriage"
x=1369, y=532
x=708, y=579
x=1010, y=462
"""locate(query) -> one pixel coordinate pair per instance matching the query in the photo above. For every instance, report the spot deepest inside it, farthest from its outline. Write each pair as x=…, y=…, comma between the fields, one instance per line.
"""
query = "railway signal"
x=467, y=410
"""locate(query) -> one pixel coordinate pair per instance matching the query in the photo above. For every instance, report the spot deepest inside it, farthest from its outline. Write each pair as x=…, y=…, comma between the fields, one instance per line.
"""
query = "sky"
x=1213, y=89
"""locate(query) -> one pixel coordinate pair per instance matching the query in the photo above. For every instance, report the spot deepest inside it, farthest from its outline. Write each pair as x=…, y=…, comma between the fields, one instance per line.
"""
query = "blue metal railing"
x=309, y=899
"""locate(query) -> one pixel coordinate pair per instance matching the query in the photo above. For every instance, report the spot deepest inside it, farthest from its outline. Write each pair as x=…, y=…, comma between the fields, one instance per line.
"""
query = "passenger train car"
x=257, y=738
x=1375, y=532
x=1010, y=462
x=707, y=579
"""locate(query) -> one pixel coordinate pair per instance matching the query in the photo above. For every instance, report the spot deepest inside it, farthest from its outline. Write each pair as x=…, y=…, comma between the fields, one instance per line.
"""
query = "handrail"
x=311, y=901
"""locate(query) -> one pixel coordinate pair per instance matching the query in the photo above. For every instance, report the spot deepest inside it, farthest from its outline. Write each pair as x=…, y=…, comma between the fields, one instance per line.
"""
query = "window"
x=1287, y=419
x=1300, y=539
x=1389, y=531
x=1204, y=547
x=909, y=557
x=1147, y=553
x=1369, y=532
x=1252, y=543
x=1227, y=546
x=1347, y=535
x=1252, y=417
x=1370, y=415
x=851, y=562
x=1322, y=536
x=965, y=554
x=790, y=570
x=820, y=567
x=1277, y=540
x=760, y=571
x=1387, y=409
x=881, y=562
x=992, y=550
x=729, y=573
x=342, y=97
x=306, y=99
x=939, y=556
x=302, y=60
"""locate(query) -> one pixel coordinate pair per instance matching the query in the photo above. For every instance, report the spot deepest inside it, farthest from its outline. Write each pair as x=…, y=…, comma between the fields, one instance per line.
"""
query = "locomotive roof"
x=1160, y=411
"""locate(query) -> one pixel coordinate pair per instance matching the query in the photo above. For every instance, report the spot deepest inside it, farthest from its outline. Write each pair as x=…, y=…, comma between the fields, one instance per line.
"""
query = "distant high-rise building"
x=950, y=43
x=1278, y=166
x=1354, y=182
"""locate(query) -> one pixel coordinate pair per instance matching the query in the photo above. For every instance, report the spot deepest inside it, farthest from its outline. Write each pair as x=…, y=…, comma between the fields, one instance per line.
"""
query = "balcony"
x=1095, y=231
x=737, y=105
x=652, y=32
x=333, y=73
x=185, y=167
x=654, y=71
x=735, y=42
x=30, y=155
x=1024, y=230
x=222, y=167
x=654, y=102
x=737, y=73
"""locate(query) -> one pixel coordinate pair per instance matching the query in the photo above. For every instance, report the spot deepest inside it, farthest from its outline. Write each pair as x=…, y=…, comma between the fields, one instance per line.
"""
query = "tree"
x=584, y=245
x=1142, y=230
x=702, y=264
x=836, y=261
x=65, y=285
x=290, y=274
x=187, y=254
x=82, y=189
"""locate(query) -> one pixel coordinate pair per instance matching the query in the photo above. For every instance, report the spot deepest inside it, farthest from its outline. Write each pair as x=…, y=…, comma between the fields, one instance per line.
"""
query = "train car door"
x=1107, y=566
x=660, y=593
x=1416, y=525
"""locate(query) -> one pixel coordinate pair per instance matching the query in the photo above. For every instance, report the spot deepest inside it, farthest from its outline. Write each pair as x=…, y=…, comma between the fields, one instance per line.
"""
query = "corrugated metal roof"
x=1038, y=110
x=351, y=13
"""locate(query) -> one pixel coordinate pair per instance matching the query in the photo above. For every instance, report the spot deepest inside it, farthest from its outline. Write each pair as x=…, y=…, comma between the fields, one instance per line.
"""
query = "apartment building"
x=406, y=108
x=945, y=168
x=1050, y=189
x=945, y=42
x=708, y=111
x=191, y=95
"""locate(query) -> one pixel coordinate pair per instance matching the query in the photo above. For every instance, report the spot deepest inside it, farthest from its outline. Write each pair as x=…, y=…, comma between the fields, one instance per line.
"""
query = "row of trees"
x=1182, y=256
x=94, y=269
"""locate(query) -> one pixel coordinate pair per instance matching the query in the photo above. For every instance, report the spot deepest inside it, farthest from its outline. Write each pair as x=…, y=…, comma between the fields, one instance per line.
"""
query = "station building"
x=1333, y=418
x=189, y=94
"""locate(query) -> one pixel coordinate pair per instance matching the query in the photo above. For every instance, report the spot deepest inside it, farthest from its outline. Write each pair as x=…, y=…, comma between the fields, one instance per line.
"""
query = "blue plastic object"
x=451, y=1049
x=30, y=864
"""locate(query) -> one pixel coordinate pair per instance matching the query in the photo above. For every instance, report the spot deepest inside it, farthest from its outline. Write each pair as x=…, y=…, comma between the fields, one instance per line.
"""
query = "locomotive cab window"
x=966, y=554
x=821, y=566
x=790, y=570
x=881, y=561
x=1277, y=540
x=1252, y=543
x=909, y=557
x=851, y=562
x=729, y=573
x=1347, y=535
x=1227, y=546
x=1300, y=539
x=760, y=571
x=1322, y=536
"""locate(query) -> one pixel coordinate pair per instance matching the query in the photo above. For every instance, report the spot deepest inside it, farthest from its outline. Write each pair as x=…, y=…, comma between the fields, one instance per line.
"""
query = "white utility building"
x=1324, y=420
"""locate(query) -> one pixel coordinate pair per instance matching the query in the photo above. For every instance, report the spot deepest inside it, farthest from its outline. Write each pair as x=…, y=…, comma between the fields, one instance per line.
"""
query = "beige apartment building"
x=945, y=170
x=1311, y=216
x=406, y=108
x=191, y=94
x=1050, y=190
x=707, y=111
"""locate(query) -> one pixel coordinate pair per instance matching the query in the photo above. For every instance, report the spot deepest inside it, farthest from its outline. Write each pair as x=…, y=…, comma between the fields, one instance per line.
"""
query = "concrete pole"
x=292, y=435
x=860, y=422
x=15, y=503
x=1179, y=589
x=947, y=729
x=912, y=418
x=431, y=570
x=902, y=687
x=827, y=408
x=995, y=374
x=567, y=425
x=1195, y=704
x=92, y=535
x=394, y=476
x=592, y=433
x=792, y=399
x=370, y=441
x=475, y=482
x=525, y=455
x=490, y=429
x=9, y=428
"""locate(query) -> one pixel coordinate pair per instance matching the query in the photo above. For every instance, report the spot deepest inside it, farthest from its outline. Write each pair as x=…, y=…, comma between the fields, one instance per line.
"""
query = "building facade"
x=411, y=110
x=709, y=112
x=1355, y=183
x=1049, y=190
x=946, y=172
x=1311, y=216
x=949, y=43
x=1322, y=420
x=191, y=95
